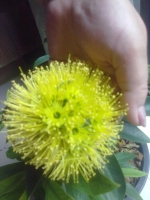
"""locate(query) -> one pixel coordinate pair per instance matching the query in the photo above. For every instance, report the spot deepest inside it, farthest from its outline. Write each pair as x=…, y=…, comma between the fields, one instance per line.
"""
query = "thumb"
x=135, y=99
x=132, y=77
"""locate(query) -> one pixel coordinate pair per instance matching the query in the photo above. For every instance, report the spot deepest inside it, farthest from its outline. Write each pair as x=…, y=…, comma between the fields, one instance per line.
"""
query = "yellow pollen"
x=65, y=119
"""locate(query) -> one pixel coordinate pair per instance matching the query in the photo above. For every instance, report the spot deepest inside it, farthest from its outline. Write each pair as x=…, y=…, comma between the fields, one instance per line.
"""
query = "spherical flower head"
x=64, y=118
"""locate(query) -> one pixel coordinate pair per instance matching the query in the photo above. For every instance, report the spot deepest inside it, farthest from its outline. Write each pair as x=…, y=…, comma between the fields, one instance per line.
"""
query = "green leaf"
x=76, y=194
x=102, y=197
x=113, y=171
x=8, y=94
x=39, y=192
x=147, y=106
x=128, y=172
x=17, y=193
x=123, y=157
x=13, y=155
x=1, y=125
x=98, y=184
x=127, y=165
x=23, y=196
x=133, y=133
x=34, y=185
x=11, y=169
x=41, y=60
x=131, y=192
x=10, y=183
x=55, y=192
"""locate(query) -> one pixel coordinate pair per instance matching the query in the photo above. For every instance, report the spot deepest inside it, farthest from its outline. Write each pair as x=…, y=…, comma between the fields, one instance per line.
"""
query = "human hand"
x=108, y=33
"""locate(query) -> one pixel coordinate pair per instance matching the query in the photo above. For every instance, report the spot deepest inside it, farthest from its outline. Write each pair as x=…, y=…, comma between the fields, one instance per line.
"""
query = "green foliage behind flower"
x=65, y=118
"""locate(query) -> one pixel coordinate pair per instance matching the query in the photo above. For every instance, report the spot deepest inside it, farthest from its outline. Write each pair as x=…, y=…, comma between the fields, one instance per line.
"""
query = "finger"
x=132, y=77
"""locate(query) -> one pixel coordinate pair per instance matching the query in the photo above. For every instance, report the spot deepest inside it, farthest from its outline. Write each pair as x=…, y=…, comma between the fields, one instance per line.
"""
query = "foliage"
x=1, y=121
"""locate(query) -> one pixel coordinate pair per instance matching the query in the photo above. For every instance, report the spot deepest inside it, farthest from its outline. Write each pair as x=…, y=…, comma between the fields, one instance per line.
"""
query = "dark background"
x=20, y=43
x=145, y=13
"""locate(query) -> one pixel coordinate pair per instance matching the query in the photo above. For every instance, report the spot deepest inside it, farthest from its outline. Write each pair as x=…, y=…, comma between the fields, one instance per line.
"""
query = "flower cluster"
x=64, y=118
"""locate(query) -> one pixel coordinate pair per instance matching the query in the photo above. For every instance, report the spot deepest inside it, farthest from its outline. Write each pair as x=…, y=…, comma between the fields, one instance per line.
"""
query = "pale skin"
x=109, y=33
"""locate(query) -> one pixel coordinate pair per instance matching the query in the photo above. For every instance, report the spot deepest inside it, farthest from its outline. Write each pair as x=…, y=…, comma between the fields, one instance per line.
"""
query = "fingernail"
x=142, y=116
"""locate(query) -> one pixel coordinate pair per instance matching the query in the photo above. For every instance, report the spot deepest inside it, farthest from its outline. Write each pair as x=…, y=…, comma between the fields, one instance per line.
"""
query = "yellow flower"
x=64, y=118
